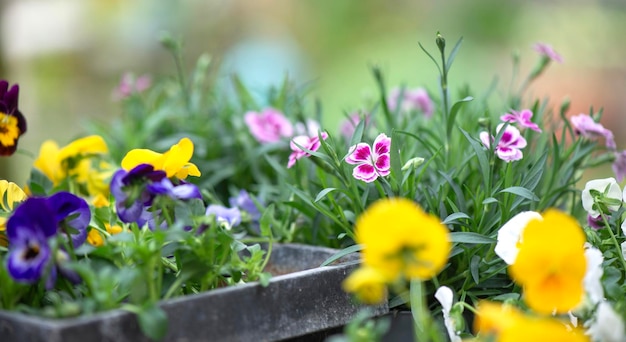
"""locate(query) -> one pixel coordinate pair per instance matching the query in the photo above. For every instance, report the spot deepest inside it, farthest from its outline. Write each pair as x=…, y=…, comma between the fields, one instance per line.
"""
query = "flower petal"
x=359, y=153
x=382, y=144
x=365, y=172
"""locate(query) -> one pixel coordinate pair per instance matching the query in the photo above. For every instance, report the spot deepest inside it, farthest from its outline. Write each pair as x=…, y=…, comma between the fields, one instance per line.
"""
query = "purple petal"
x=231, y=216
x=33, y=215
x=365, y=172
x=28, y=256
x=186, y=191
x=73, y=211
x=359, y=153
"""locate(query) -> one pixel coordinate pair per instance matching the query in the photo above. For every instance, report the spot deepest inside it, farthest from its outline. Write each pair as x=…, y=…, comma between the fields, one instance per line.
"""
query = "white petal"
x=592, y=283
x=600, y=185
x=511, y=233
x=607, y=326
x=444, y=295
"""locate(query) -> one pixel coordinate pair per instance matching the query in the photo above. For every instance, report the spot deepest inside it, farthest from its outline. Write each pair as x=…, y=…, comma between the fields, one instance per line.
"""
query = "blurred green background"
x=69, y=55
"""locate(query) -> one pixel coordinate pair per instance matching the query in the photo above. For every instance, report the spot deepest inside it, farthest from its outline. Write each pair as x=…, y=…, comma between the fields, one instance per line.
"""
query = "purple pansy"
x=181, y=191
x=588, y=128
x=130, y=192
x=244, y=202
x=522, y=117
x=595, y=222
x=412, y=100
x=72, y=215
x=28, y=231
x=547, y=51
x=230, y=217
x=371, y=162
x=12, y=122
x=508, y=148
x=268, y=126
x=310, y=143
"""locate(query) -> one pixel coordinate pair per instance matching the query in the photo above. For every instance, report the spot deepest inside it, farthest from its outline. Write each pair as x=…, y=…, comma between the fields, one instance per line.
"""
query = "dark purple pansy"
x=28, y=230
x=129, y=188
x=12, y=122
x=72, y=215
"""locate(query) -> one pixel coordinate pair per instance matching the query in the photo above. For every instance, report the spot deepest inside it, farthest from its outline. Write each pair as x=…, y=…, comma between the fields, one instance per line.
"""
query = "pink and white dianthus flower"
x=129, y=84
x=522, y=117
x=371, y=162
x=268, y=126
x=619, y=165
x=547, y=50
x=348, y=125
x=508, y=148
x=309, y=143
x=412, y=99
x=588, y=128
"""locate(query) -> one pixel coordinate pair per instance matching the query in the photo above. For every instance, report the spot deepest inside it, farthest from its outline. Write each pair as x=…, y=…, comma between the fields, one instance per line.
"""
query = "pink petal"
x=509, y=154
x=383, y=164
x=485, y=139
x=292, y=160
x=359, y=153
x=382, y=144
x=365, y=172
x=508, y=117
x=301, y=140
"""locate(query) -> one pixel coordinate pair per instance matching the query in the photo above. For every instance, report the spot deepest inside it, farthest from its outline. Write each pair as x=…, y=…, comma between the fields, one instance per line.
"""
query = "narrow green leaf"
x=522, y=192
x=453, y=53
x=323, y=193
x=454, y=111
x=474, y=263
x=469, y=237
x=342, y=253
x=455, y=216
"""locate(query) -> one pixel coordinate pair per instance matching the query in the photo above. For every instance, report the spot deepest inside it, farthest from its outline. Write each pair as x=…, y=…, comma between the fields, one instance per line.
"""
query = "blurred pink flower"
x=311, y=128
x=585, y=126
x=349, y=124
x=268, y=126
x=412, y=99
x=129, y=85
x=547, y=50
x=311, y=143
x=371, y=162
x=619, y=165
x=523, y=118
x=510, y=143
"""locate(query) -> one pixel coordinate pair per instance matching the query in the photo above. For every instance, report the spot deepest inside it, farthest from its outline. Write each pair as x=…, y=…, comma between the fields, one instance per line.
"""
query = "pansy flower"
x=371, y=162
x=129, y=190
x=301, y=142
x=268, y=126
x=175, y=162
x=510, y=144
x=228, y=217
x=585, y=125
x=72, y=216
x=522, y=117
x=601, y=196
x=12, y=122
x=28, y=230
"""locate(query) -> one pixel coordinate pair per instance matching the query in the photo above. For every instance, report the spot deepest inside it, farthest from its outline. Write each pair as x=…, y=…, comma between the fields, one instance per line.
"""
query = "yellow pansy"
x=175, y=162
x=48, y=162
x=367, y=284
x=401, y=240
x=94, y=237
x=93, y=144
x=12, y=193
x=551, y=273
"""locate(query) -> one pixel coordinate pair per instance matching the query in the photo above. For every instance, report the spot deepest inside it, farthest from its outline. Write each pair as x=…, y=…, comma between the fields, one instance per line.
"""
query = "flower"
x=86, y=146
x=551, y=273
x=268, y=126
x=12, y=193
x=12, y=122
x=547, y=51
x=129, y=85
x=607, y=325
x=175, y=162
x=601, y=196
x=95, y=237
x=508, y=148
x=182, y=191
x=412, y=99
x=445, y=297
x=72, y=216
x=368, y=285
x=310, y=127
x=229, y=217
x=130, y=193
x=588, y=128
x=28, y=230
x=619, y=165
x=370, y=162
x=592, y=280
x=348, y=125
x=244, y=202
x=301, y=143
x=523, y=118
x=401, y=240
x=510, y=234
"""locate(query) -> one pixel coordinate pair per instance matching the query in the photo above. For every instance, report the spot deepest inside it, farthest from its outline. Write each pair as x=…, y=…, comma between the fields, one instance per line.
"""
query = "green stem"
x=422, y=322
x=614, y=239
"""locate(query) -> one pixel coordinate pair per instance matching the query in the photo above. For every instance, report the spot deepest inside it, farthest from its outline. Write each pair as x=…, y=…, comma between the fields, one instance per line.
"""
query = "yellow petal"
x=14, y=194
x=48, y=161
x=177, y=157
x=93, y=144
x=95, y=238
x=142, y=156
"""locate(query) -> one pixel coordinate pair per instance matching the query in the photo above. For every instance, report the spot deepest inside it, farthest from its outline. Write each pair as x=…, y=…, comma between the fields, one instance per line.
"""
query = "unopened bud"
x=484, y=122
x=413, y=163
x=441, y=42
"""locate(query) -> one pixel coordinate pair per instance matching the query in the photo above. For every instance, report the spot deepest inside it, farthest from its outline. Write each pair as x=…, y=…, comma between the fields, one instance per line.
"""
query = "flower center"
x=9, y=132
x=32, y=251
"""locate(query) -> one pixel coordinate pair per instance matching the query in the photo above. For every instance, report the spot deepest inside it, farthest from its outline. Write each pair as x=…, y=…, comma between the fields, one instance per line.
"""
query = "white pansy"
x=510, y=234
x=614, y=192
x=607, y=326
x=592, y=283
x=445, y=296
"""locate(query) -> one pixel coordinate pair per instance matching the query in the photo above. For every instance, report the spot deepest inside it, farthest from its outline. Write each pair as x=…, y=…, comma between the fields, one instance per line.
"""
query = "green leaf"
x=342, y=253
x=152, y=321
x=522, y=192
x=490, y=200
x=453, y=53
x=455, y=216
x=323, y=193
x=454, y=111
x=474, y=263
x=469, y=237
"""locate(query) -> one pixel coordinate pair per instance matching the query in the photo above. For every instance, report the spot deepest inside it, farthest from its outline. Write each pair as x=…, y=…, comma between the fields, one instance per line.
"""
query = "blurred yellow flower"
x=401, y=240
x=48, y=162
x=94, y=237
x=100, y=201
x=504, y=323
x=175, y=162
x=93, y=144
x=551, y=263
x=10, y=193
x=367, y=284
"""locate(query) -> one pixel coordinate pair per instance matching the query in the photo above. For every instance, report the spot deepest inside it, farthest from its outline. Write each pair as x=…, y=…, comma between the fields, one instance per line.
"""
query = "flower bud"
x=413, y=163
x=441, y=42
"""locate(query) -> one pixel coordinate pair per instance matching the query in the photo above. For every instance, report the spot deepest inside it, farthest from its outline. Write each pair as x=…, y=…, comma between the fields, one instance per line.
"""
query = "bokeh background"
x=69, y=55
